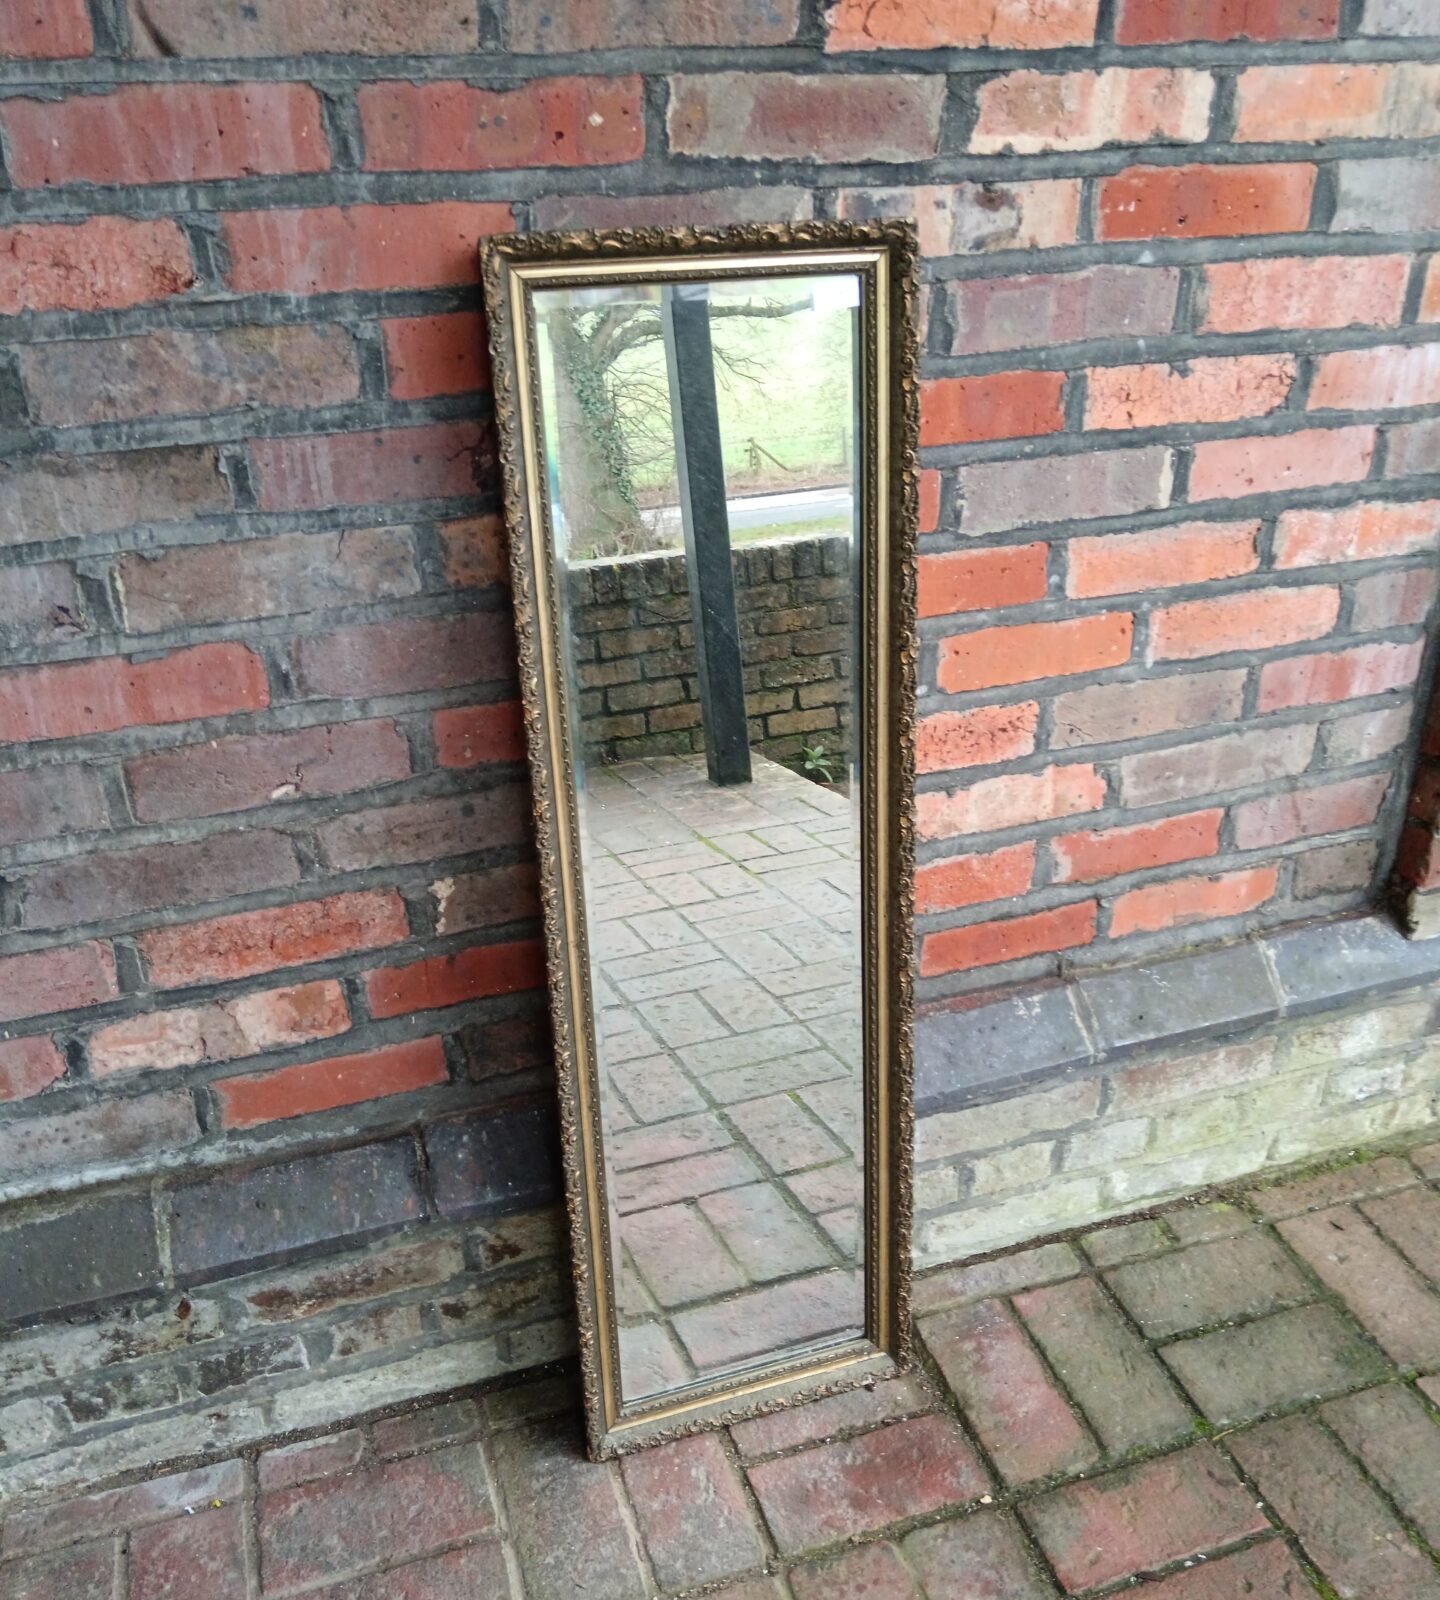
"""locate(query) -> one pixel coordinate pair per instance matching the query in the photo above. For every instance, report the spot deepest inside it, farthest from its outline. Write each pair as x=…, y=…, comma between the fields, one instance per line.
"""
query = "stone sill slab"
x=986, y=1045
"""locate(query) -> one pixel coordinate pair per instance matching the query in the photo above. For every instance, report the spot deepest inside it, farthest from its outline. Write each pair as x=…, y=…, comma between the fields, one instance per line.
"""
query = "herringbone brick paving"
x=1233, y=1398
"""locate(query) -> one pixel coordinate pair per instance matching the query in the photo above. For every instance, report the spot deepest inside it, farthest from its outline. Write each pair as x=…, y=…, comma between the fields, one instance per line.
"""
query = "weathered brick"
x=292, y=1208
x=1371, y=380
x=56, y=980
x=972, y=24
x=1022, y=1419
x=166, y=133
x=960, y=219
x=1182, y=901
x=1265, y=21
x=426, y=830
x=82, y=697
x=1395, y=194
x=444, y=354
x=693, y=1514
x=1009, y=801
x=996, y=314
x=697, y=207
x=171, y=372
x=280, y=28
x=252, y=942
x=989, y=943
x=1028, y=112
x=1143, y=1517
x=977, y=738
x=486, y=899
x=296, y=573
x=156, y=1499
x=567, y=25
x=1303, y=292
x=496, y=1162
x=249, y=1102
x=90, y=1568
x=28, y=1065
x=1397, y=18
x=1354, y=1181
x=331, y=1527
x=990, y=657
x=1338, y=675
x=1226, y=468
x=1113, y=711
x=1233, y=761
x=41, y=604
x=1119, y=1385
x=1001, y=405
x=33, y=29
x=437, y=460
x=1346, y=1529
x=969, y=880
x=786, y=116
x=334, y=248
x=48, y=803
x=472, y=736
x=1208, y=389
x=874, y=1571
x=1166, y=558
x=1391, y=1433
x=1401, y=1312
x=224, y=775
x=407, y=655
x=108, y=1131
x=550, y=1489
x=999, y=495
x=983, y=1553
x=220, y=1030
x=1205, y=202
x=1412, y=448
x=1366, y=532
x=549, y=122
x=1258, y=619
x=203, y=1553
x=1237, y=1374
x=451, y=980
x=822, y=1419
x=474, y=552
x=99, y=1250
x=837, y=1491
x=1411, y=1221
x=1356, y=100
x=69, y=497
x=1394, y=599
x=119, y=883
x=1335, y=869
x=1210, y=1283
x=981, y=580
x=101, y=264
x=1302, y=813
x=1112, y=852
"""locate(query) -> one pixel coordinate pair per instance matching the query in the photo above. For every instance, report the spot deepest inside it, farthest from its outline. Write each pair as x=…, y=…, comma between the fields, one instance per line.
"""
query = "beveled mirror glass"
x=709, y=452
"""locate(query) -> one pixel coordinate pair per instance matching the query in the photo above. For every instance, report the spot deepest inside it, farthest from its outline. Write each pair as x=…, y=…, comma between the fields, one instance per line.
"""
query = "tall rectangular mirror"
x=709, y=452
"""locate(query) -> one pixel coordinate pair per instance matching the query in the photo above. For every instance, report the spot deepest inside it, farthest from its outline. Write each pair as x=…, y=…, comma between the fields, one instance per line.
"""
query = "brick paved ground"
x=724, y=929
x=1227, y=1400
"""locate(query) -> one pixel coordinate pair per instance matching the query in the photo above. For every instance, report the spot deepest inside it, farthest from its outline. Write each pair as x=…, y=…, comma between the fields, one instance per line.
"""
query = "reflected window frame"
x=883, y=255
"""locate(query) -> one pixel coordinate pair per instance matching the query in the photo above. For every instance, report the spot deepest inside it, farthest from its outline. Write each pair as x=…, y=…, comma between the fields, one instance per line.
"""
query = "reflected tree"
x=614, y=415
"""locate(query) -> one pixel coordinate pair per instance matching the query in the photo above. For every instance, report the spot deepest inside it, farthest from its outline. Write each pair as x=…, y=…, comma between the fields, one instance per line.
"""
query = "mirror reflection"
x=700, y=445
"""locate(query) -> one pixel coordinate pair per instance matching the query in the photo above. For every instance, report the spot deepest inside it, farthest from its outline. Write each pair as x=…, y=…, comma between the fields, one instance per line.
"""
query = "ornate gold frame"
x=884, y=255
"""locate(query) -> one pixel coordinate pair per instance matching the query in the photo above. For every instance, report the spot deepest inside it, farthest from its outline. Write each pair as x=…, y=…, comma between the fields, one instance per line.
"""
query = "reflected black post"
x=700, y=467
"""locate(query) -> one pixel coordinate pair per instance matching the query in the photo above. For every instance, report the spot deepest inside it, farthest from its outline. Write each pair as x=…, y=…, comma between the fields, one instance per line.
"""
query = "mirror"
x=709, y=457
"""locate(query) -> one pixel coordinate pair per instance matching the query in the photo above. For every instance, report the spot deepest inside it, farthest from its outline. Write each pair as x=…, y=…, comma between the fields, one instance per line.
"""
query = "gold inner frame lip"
x=886, y=661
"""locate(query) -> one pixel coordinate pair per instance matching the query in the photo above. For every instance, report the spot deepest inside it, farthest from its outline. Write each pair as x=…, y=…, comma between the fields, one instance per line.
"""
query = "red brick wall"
x=268, y=874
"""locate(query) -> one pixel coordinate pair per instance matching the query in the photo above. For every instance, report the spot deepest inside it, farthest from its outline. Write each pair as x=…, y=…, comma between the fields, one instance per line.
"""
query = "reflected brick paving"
x=1233, y=1399
x=724, y=927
